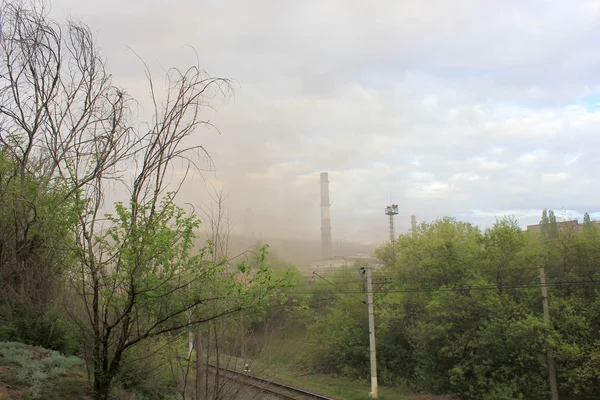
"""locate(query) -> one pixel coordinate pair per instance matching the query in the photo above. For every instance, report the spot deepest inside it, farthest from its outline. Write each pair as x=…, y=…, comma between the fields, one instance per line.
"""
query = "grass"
x=278, y=361
x=346, y=388
x=335, y=386
x=29, y=373
x=33, y=373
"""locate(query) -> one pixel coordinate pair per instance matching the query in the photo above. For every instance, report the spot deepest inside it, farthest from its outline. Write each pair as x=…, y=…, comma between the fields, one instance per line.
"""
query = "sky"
x=473, y=109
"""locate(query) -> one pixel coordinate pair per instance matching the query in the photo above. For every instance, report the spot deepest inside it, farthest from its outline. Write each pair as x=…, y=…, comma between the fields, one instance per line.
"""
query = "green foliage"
x=135, y=275
x=153, y=259
x=545, y=223
x=477, y=331
x=49, y=329
x=475, y=345
x=508, y=254
x=152, y=278
x=38, y=366
x=336, y=343
x=446, y=252
x=587, y=221
x=553, y=231
x=147, y=374
x=36, y=221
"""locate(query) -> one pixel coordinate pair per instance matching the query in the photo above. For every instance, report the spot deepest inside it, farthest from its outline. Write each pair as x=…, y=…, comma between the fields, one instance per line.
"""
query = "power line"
x=591, y=283
x=496, y=287
x=347, y=292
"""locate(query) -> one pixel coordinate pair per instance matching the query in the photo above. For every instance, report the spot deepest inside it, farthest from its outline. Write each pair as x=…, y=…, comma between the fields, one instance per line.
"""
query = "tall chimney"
x=325, y=218
x=413, y=223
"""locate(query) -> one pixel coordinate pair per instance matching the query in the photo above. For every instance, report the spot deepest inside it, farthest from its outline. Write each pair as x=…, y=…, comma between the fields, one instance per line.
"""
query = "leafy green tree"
x=575, y=317
x=36, y=222
x=339, y=339
x=508, y=254
x=387, y=255
x=137, y=271
x=553, y=229
x=588, y=225
x=462, y=314
x=397, y=318
x=467, y=344
x=446, y=252
x=587, y=221
x=545, y=223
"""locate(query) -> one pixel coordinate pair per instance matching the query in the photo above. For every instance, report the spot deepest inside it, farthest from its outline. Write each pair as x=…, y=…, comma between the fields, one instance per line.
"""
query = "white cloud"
x=465, y=176
x=570, y=159
x=452, y=106
x=423, y=176
x=533, y=157
x=557, y=177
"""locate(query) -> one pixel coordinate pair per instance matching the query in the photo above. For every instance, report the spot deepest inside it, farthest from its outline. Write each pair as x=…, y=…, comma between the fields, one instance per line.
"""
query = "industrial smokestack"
x=413, y=223
x=325, y=218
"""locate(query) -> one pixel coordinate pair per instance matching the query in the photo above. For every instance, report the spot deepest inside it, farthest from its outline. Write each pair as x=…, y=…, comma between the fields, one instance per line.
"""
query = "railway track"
x=270, y=386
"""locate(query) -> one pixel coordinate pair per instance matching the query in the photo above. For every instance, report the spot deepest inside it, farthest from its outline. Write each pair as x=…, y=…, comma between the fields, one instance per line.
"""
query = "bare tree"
x=211, y=345
x=60, y=116
x=217, y=224
x=217, y=228
x=139, y=279
x=136, y=270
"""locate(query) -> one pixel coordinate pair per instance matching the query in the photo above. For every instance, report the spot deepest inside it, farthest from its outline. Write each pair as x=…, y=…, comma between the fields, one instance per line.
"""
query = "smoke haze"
x=459, y=108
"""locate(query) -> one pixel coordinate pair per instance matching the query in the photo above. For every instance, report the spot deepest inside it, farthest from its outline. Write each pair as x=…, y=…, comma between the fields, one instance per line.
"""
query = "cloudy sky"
x=467, y=108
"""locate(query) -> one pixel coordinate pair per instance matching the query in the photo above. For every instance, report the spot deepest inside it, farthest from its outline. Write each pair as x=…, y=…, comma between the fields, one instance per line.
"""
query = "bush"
x=338, y=341
x=38, y=365
x=145, y=373
x=49, y=330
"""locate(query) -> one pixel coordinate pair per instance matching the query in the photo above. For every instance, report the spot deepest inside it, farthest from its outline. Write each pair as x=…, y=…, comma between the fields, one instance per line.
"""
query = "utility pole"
x=551, y=365
x=374, y=391
x=243, y=334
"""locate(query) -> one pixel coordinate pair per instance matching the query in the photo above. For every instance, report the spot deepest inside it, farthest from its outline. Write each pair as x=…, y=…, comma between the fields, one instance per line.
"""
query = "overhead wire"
x=581, y=283
x=337, y=287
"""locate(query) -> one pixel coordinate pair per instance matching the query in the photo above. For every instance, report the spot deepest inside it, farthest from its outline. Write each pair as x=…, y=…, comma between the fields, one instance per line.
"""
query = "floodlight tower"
x=390, y=211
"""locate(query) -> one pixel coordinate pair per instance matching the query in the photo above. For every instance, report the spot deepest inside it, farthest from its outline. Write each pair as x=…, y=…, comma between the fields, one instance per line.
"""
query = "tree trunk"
x=104, y=372
x=200, y=368
x=101, y=387
x=217, y=388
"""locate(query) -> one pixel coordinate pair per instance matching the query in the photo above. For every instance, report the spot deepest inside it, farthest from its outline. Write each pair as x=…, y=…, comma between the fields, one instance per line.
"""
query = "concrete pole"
x=551, y=365
x=374, y=391
x=243, y=335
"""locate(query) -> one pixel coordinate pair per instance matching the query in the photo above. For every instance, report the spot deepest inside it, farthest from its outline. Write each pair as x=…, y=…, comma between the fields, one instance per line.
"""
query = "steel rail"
x=279, y=389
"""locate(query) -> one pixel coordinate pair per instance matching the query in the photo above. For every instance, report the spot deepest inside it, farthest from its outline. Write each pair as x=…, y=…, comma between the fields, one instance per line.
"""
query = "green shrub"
x=38, y=365
x=49, y=330
x=145, y=373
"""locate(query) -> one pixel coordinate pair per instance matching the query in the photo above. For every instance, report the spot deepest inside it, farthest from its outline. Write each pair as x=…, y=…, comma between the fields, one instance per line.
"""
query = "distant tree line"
x=459, y=312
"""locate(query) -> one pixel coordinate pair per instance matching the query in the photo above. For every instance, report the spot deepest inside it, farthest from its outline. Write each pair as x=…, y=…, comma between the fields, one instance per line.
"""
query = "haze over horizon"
x=471, y=109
